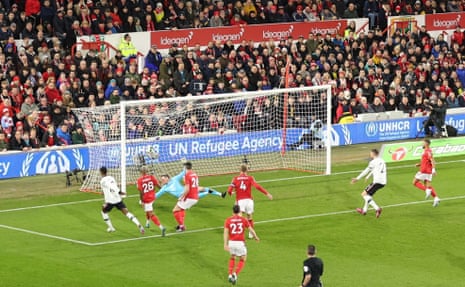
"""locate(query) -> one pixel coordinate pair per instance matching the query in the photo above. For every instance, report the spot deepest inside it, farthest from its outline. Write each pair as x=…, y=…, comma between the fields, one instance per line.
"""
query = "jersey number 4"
x=236, y=228
x=243, y=186
x=148, y=186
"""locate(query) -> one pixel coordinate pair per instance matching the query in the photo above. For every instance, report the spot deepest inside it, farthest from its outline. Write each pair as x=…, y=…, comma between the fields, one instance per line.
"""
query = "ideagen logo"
x=182, y=40
x=447, y=24
x=228, y=37
x=371, y=129
x=267, y=34
x=328, y=30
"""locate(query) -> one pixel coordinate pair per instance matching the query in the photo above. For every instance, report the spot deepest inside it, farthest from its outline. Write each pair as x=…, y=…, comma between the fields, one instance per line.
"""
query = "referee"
x=313, y=269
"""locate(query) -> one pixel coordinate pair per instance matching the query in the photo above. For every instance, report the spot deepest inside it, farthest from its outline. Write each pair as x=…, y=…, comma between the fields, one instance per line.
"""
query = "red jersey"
x=191, y=180
x=426, y=165
x=147, y=184
x=236, y=225
x=243, y=185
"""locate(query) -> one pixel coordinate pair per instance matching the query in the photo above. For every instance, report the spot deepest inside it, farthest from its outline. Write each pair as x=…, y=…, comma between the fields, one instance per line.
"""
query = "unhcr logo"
x=371, y=129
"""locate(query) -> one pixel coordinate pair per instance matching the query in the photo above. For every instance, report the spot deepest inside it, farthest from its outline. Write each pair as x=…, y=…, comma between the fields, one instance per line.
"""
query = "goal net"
x=267, y=130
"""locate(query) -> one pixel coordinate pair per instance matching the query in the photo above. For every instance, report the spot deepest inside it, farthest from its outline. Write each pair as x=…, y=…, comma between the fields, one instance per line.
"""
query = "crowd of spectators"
x=41, y=80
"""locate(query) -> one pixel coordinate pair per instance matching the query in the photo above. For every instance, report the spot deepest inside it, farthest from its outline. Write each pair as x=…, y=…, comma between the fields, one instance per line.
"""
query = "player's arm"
x=433, y=164
x=308, y=276
x=185, y=192
x=162, y=191
x=254, y=234
x=231, y=187
x=141, y=192
x=156, y=182
x=363, y=173
x=226, y=237
x=179, y=176
x=261, y=189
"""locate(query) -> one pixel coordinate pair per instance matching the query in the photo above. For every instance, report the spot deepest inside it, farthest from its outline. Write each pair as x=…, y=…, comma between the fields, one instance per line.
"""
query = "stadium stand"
x=43, y=79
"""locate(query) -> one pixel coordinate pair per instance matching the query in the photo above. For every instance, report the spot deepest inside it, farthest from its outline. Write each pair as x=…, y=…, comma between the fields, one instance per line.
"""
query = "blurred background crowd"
x=42, y=78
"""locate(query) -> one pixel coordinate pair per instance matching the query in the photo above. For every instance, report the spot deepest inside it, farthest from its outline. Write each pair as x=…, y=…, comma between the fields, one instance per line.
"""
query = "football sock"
x=433, y=192
x=373, y=204
x=240, y=265
x=107, y=220
x=232, y=262
x=214, y=192
x=367, y=199
x=183, y=215
x=251, y=223
x=133, y=218
x=420, y=185
x=178, y=217
x=155, y=220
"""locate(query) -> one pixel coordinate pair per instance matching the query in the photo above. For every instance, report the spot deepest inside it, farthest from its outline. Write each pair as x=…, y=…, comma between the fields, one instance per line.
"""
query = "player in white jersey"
x=377, y=169
x=113, y=198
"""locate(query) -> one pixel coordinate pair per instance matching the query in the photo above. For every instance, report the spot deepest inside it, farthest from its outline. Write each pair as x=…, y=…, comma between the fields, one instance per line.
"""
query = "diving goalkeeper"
x=173, y=186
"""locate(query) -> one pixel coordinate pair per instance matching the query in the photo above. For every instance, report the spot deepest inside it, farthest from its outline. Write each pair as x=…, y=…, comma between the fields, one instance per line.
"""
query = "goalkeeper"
x=174, y=187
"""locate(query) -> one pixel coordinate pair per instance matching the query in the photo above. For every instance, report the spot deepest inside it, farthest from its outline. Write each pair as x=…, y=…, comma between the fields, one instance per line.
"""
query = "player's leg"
x=423, y=182
x=232, y=264
x=366, y=199
x=241, y=264
x=105, y=210
x=249, y=210
x=429, y=189
x=204, y=191
x=178, y=215
x=122, y=207
x=148, y=207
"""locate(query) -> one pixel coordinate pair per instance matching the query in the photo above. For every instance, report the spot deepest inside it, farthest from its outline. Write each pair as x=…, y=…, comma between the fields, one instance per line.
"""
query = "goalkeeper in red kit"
x=242, y=185
x=424, y=177
x=146, y=185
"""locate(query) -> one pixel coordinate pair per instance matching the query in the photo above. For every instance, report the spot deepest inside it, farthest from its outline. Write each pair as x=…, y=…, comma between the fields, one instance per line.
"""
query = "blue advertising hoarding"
x=58, y=160
x=389, y=130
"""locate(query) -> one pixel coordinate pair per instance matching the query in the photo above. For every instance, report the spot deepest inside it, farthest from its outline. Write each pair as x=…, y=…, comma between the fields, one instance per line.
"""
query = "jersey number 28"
x=148, y=186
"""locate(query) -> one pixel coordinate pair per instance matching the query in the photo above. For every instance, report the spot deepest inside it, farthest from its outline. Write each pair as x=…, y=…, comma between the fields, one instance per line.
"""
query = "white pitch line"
x=275, y=220
x=45, y=235
x=213, y=186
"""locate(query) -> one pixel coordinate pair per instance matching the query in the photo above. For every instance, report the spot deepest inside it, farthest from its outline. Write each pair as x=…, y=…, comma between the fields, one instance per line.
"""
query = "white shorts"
x=424, y=176
x=188, y=203
x=237, y=248
x=246, y=205
x=148, y=206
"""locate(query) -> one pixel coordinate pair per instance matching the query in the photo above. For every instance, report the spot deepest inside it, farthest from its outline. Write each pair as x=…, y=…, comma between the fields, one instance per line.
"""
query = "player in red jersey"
x=242, y=184
x=424, y=177
x=189, y=198
x=234, y=241
x=146, y=185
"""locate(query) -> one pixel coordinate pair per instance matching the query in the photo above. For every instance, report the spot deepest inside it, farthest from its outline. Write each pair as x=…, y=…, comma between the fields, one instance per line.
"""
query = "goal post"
x=216, y=132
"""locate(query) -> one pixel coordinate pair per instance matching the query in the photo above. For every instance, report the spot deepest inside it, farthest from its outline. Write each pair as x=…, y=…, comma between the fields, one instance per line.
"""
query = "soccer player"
x=242, y=185
x=188, y=198
x=113, y=198
x=427, y=170
x=313, y=269
x=174, y=187
x=377, y=169
x=234, y=242
x=146, y=185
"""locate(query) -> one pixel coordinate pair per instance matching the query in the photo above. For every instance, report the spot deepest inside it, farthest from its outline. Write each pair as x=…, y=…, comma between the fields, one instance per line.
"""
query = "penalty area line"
x=274, y=220
x=214, y=186
x=41, y=234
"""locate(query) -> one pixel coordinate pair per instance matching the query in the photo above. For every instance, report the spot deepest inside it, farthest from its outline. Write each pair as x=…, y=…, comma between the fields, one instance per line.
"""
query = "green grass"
x=410, y=245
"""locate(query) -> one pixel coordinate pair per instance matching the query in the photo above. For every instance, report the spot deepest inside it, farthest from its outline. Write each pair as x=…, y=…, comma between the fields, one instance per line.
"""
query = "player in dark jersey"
x=313, y=269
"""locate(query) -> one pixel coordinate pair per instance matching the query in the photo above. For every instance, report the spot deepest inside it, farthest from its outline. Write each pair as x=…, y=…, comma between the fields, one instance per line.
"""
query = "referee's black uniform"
x=313, y=266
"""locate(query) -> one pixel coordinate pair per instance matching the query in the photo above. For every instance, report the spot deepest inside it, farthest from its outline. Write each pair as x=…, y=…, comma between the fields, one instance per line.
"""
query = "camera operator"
x=437, y=117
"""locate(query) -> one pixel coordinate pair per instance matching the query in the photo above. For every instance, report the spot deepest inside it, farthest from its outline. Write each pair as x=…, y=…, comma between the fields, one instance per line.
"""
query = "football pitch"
x=51, y=235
